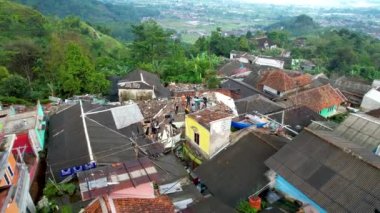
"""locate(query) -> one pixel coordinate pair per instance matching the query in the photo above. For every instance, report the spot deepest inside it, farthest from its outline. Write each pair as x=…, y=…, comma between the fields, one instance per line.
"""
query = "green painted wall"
x=328, y=112
x=41, y=132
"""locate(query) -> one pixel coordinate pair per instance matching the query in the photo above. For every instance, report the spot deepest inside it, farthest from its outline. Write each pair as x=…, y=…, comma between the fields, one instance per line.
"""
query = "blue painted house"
x=327, y=172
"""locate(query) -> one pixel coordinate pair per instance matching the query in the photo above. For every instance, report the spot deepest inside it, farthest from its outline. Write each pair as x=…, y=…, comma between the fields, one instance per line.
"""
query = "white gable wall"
x=371, y=100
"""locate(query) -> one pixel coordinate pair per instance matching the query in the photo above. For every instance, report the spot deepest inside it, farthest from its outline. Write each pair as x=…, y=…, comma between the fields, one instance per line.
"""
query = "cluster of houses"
x=265, y=138
x=22, y=140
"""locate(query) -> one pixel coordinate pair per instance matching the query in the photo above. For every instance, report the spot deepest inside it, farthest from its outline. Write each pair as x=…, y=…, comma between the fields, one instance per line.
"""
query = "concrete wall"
x=371, y=101
x=244, y=60
x=136, y=94
x=220, y=134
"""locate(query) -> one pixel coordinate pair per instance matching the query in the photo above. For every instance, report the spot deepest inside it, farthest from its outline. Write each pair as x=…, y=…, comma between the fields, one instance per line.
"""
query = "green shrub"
x=244, y=207
x=52, y=190
x=14, y=100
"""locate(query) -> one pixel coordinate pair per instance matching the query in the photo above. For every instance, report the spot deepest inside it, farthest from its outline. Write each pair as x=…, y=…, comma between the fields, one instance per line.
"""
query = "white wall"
x=371, y=100
x=271, y=90
x=220, y=134
x=244, y=60
x=136, y=94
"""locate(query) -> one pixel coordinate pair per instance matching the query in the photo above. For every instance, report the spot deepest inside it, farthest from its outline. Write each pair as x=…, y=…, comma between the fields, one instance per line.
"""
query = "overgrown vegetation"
x=53, y=190
x=297, y=26
x=108, y=18
x=42, y=56
x=343, y=52
x=53, y=193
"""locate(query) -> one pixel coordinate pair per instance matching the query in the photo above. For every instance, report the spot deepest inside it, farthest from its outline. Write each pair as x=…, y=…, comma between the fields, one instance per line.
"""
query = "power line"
x=94, y=153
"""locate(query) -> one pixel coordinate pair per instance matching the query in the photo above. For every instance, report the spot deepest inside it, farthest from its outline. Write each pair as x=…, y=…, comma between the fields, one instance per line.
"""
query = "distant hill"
x=41, y=53
x=116, y=18
x=19, y=22
x=299, y=25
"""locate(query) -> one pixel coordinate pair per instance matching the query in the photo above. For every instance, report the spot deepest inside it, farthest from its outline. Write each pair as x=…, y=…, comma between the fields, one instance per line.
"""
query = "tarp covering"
x=126, y=115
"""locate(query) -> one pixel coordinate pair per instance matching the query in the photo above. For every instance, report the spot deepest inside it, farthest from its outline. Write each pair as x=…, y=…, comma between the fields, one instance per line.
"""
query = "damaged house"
x=141, y=85
x=207, y=131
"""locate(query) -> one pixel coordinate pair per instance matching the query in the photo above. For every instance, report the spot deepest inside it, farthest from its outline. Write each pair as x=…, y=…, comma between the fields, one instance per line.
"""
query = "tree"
x=14, y=86
x=213, y=82
x=23, y=55
x=77, y=73
x=3, y=73
x=279, y=37
x=249, y=34
x=244, y=44
x=150, y=43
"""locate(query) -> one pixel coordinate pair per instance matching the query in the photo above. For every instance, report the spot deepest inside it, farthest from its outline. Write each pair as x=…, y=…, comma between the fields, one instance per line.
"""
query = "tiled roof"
x=297, y=118
x=158, y=205
x=204, y=117
x=374, y=113
x=227, y=92
x=336, y=174
x=257, y=103
x=353, y=85
x=282, y=81
x=233, y=68
x=161, y=204
x=242, y=88
x=210, y=204
x=318, y=98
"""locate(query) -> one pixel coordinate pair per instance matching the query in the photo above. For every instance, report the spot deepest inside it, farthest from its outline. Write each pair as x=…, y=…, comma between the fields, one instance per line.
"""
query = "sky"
x=321, y=3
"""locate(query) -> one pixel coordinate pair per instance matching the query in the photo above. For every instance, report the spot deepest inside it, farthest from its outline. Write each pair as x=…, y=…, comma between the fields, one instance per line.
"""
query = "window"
x=10, y=171
x=7, y=179
x=196, y=138
x=278, y=93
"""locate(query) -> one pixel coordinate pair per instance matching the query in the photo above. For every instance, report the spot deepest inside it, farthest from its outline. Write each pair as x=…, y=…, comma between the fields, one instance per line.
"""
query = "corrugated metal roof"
x=235, y=173
x=361, y=129
x=341, y=180
x=108, y=179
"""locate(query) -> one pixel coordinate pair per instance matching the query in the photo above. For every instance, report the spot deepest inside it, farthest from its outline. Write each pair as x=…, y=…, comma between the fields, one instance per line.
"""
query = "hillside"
x=297, y=26
x=53, y=56
x=113, y=18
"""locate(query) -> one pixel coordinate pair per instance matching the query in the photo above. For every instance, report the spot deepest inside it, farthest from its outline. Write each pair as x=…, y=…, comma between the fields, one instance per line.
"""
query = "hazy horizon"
x=320, y=3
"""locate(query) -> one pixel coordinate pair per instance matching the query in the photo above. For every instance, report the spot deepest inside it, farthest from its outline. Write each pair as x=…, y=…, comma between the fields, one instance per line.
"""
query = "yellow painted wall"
x=13, y=165
x=204, y=134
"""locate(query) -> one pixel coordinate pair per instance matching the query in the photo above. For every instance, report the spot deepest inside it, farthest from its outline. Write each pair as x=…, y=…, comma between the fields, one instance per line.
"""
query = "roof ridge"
x=346, y=149
x=365, y=116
